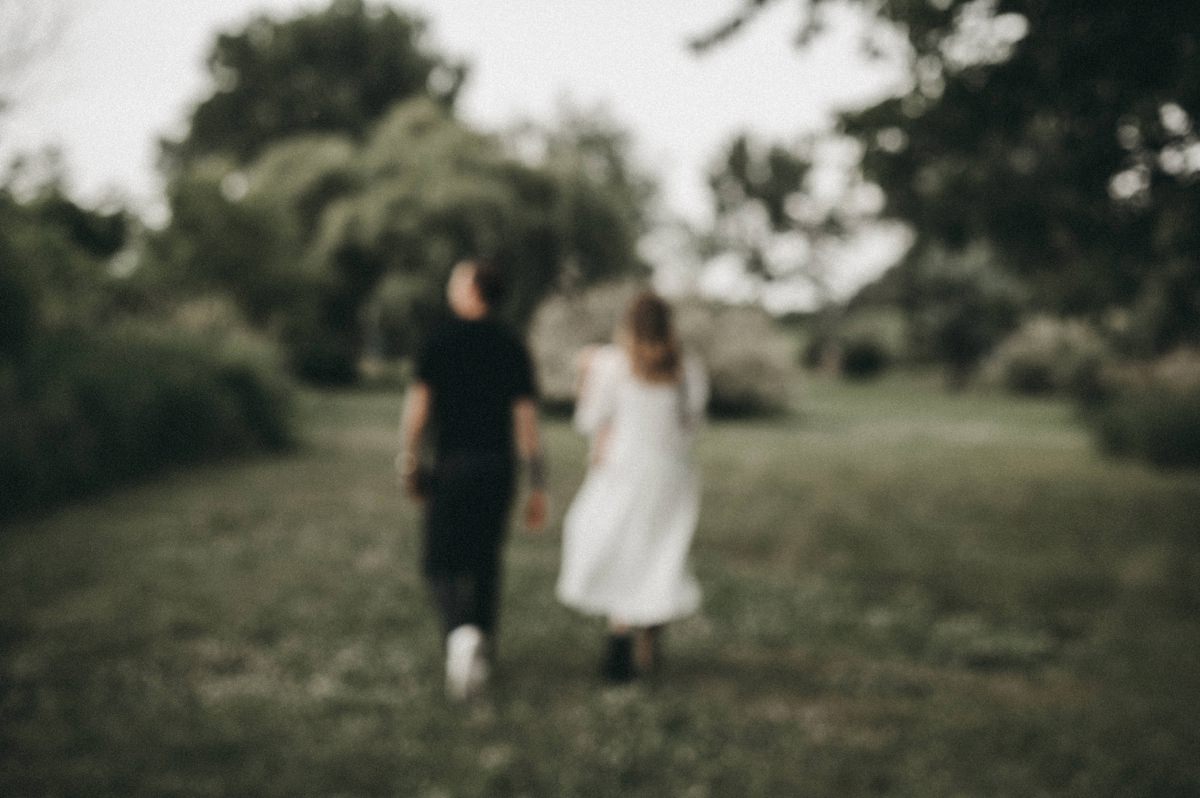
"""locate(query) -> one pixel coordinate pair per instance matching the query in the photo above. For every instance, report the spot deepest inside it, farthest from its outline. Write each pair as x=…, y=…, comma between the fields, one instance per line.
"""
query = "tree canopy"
x=333, y=71
x=327, y=188
x=1061, y=133
x=344, y=247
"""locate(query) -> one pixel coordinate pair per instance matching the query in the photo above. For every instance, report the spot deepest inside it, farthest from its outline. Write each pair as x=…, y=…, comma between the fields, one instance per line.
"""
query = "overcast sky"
x=125, y=72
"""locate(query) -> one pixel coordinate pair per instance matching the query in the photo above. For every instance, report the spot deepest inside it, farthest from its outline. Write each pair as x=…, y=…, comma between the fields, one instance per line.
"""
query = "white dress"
x=627, y=534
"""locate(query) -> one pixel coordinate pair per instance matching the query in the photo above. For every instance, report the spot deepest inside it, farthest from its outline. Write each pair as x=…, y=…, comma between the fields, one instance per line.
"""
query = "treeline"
x=96, y=389
x=322, y=192
x=1043, y=159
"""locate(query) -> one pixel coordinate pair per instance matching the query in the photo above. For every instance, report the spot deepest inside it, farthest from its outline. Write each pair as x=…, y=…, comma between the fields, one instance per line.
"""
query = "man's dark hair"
x=489, y=281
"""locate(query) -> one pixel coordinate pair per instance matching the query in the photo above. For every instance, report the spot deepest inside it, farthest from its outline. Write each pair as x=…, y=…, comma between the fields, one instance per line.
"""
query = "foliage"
x=589, y=149
x=961, y=306
x=326, y=188
x=332, y=71
x=863, y=358
x=1057, y=132
x=95, y=410
x=342, y=249
x=90, y=396
x=1153, y=412
x=857, y=341
x=785, y=213
x=749, y=360
x=1049, y=355
x=221, y=242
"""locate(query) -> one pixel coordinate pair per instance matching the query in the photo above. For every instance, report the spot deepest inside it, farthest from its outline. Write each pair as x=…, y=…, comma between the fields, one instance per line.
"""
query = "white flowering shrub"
x=750, y=360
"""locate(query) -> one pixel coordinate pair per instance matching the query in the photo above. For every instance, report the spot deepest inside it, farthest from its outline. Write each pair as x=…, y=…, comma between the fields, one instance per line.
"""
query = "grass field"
x=907, y=593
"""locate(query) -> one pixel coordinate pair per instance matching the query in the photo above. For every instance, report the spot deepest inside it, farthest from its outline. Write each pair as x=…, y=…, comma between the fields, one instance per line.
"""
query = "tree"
x=327, y=188
x=787, y=212
x=340, y=246
x=432, y=191
x=53, y=259
x=332, y=71
x=1059, y=132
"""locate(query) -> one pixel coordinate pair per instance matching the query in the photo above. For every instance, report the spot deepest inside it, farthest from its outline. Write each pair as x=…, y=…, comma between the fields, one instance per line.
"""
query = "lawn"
x=906, y=593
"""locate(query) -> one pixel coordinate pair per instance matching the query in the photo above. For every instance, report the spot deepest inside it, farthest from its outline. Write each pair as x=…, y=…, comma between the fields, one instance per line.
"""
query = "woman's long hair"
x=649, y=337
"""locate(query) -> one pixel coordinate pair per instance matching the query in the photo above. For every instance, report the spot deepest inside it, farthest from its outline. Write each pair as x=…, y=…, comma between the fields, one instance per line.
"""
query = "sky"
x=123, y=73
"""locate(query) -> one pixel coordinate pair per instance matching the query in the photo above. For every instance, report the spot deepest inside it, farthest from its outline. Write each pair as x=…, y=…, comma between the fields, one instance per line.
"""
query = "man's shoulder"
x=506, y=334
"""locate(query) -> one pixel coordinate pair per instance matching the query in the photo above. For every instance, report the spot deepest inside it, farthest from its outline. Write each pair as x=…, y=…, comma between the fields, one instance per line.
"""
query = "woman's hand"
x=537, y=508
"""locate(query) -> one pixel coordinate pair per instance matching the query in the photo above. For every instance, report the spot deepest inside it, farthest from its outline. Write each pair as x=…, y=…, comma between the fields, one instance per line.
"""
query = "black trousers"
x=466, y=521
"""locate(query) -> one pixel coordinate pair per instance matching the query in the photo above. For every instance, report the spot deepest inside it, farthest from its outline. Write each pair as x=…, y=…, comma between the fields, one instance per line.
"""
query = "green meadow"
x=907, y=593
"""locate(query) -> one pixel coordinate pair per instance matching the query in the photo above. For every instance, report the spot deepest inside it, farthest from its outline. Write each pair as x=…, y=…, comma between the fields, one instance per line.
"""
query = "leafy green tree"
x=332, y=71
x=786, y=212
x=1062, y=133
x=343, y=248
x=591, y=149
x=433, y=191
x=326, y=188
x=53, y=263
x=220, y=242
x=960, y=307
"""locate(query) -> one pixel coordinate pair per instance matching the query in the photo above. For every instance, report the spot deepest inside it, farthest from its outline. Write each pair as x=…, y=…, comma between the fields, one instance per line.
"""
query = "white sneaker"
x=466, y=664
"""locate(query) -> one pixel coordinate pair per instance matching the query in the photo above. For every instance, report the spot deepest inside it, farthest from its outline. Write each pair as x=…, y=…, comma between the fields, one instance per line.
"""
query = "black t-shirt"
x=475, y=371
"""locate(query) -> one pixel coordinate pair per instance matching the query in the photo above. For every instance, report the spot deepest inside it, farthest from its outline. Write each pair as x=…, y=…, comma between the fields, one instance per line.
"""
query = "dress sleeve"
x=597, y=400
x=696, y=387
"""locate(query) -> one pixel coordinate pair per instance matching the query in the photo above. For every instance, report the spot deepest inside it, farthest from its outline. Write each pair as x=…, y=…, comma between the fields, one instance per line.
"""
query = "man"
x=475, y=398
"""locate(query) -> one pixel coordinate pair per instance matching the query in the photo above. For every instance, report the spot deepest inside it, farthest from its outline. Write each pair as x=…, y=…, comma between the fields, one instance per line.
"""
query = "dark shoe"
x=618, y=659
x=647, y=650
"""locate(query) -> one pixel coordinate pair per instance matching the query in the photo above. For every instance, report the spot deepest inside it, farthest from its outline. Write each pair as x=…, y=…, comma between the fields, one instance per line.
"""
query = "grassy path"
x=906, y=594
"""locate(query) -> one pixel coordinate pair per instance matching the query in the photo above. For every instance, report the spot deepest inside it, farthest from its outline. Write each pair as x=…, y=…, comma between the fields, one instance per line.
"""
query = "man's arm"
x=529, y=448
x=413, y=422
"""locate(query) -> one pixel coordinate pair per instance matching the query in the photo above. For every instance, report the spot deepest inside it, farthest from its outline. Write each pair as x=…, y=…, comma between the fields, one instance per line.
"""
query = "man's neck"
x=477, y=313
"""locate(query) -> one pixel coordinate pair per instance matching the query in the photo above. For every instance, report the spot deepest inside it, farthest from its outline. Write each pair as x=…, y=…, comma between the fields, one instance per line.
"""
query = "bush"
x=859, y=343
x=966, y=304
x=1153, y=413
x=1048, y=355
x=94, y=409
x=748, y=358
x=863, y=359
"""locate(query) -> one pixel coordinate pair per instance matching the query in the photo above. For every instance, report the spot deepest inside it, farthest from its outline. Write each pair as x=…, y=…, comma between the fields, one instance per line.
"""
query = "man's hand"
x=536, y=510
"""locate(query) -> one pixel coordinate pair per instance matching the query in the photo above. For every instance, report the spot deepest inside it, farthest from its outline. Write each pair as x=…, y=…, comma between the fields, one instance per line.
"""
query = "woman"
x=627, y=534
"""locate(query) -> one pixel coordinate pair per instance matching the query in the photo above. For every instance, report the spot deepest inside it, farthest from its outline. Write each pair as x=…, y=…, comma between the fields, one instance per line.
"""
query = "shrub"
x=858, y=343
x=863, y=359
x=566, y=323
x=966, y=304
x=748, y=358
x=93, y=409
x=1153, y=413
x=1048, y=355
